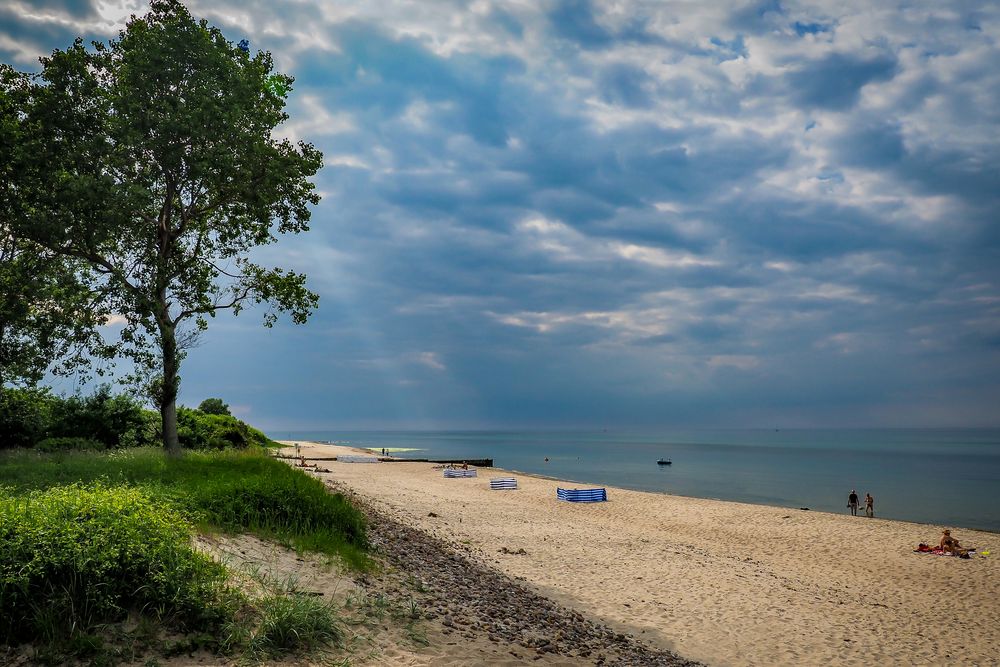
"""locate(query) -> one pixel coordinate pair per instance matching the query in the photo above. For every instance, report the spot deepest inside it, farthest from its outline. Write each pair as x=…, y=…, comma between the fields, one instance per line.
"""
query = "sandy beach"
x=719, y=582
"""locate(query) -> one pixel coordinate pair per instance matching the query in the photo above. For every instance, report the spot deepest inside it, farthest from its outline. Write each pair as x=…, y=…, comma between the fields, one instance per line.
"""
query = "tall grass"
x=233, y=491
x=290, y=623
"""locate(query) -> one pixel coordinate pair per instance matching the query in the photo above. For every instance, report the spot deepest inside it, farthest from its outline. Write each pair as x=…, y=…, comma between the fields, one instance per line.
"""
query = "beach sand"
x=719, y=582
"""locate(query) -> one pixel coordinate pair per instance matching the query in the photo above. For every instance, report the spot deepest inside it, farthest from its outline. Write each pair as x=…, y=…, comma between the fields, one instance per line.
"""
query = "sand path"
x=720, y=582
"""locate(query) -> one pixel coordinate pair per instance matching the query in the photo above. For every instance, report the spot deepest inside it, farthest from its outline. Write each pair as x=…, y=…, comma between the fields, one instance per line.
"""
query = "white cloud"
x=430, y=360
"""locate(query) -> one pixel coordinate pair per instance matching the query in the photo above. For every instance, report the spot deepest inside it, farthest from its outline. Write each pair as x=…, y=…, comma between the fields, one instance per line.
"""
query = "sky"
x=620, y=214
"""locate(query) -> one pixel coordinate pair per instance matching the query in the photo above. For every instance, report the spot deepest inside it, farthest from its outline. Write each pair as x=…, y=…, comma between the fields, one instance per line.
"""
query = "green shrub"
x=50, y=445
x=117, y=421
x=214, y=406
x=25, y=416
x=75, y=556
x=198, y=430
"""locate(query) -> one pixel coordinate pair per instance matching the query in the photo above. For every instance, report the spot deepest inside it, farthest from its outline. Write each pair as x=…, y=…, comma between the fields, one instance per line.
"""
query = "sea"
x=946, y=477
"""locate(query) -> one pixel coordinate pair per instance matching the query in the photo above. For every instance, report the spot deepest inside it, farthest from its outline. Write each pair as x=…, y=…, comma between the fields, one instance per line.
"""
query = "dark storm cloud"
x=574, y=211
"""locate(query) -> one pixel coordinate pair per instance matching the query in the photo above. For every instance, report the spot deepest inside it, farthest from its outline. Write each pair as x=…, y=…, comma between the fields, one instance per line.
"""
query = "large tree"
x=154, y=159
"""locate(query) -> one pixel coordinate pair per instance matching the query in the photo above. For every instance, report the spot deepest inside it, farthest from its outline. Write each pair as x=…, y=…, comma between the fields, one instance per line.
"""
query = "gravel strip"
x=472, y=600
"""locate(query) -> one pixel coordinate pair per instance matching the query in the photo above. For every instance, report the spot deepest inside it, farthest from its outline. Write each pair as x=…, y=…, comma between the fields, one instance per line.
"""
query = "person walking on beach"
x=852, y=502
x=869, y=505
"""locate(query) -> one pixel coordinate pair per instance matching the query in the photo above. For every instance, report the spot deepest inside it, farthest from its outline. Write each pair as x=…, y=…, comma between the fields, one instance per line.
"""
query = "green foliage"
x=51, y=445
x=116, y=421
x=281, y=501
x=25, y=416
x=77, y=552
x=198, y=430
x=47, y=310
x=232, y=490
x=75, y=556
x=292, y=623
x=214, y=406
x=28, y=416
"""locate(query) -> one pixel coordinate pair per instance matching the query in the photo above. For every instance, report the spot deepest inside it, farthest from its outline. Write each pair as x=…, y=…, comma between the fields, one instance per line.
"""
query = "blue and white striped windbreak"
x=454, y=472
x=503, y=483
x=582, y=495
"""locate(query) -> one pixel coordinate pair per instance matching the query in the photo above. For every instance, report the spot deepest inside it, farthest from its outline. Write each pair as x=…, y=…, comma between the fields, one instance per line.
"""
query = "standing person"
x=852, y=502
x=869, y=505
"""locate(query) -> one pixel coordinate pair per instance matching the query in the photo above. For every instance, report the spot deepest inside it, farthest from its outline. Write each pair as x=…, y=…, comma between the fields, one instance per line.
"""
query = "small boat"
x=663, y=462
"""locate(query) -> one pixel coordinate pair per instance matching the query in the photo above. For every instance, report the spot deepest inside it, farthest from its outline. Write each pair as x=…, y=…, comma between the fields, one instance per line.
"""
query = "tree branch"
x=247, y=290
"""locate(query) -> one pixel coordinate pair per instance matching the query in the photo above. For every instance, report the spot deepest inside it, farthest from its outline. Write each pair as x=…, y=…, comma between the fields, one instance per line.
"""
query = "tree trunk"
x=168, y=391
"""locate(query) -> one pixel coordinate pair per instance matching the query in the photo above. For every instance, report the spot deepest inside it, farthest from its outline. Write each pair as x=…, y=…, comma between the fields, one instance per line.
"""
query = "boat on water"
x=663, y=462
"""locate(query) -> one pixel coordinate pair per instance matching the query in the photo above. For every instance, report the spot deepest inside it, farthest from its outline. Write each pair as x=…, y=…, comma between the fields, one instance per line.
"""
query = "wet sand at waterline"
x=720, y=582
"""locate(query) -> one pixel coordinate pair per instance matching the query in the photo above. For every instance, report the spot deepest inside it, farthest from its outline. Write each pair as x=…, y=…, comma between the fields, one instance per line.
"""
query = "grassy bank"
x=89, y=539
x=235, y=491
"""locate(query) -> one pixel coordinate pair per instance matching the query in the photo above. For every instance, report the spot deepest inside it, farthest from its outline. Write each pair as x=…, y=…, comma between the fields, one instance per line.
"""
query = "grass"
x=292, y=623
x=233, y=491
x=88, y=539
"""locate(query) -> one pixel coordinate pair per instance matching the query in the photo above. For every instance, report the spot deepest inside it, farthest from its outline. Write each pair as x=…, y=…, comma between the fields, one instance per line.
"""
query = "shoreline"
x=719, y=582
x=366, y=450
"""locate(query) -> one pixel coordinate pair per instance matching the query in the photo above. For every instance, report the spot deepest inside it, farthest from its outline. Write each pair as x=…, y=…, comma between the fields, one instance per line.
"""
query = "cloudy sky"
x=563, y=213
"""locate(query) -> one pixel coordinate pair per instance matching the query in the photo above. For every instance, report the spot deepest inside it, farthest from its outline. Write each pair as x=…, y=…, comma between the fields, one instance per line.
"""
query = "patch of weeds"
x=292, y=624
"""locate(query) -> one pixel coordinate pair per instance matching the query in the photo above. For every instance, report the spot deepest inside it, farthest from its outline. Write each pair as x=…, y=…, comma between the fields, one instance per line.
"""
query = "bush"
x=214, y=406
x=25, y=416
x=117, y=421
x=72, y=557
x=197, y=430
x=50, y=445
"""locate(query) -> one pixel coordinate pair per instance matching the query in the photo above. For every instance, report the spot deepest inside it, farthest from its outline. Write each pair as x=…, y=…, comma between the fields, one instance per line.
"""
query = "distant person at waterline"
x=869, y=505
x=852, y=502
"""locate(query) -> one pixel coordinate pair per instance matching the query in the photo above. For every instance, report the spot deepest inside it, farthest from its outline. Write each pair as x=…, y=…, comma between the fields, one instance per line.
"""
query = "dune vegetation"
x=97, y=556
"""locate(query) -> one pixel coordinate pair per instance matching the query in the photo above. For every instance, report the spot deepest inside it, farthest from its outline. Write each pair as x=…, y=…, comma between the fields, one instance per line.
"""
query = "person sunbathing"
x=949, y=544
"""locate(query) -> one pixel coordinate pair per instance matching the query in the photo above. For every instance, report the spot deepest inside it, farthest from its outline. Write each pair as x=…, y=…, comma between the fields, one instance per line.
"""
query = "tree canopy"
x=48, y=312
x=153, y=159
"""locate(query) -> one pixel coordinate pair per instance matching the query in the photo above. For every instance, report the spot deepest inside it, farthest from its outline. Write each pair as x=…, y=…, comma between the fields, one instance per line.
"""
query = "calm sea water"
x=949, y=477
